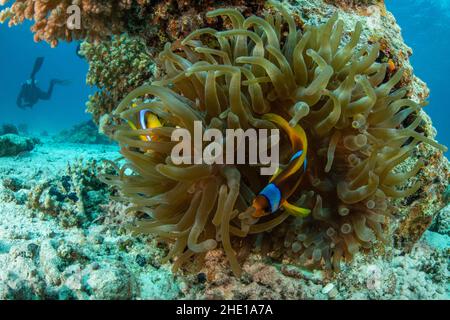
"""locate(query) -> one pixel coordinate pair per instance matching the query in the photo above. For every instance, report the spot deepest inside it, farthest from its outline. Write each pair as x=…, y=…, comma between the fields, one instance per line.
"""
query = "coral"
x=353, y=3
x=441, y=223
x=414, y=214
x=99, y=19
x=23, y=128
x=420, y=274
x=354, y=113
x=447, y=194
x=14, y=145
x=158, y=21
x=40, y=258
x=86, y=132
x=175, y=19
x=114, y=68
x=8, y=128
x=75, y=198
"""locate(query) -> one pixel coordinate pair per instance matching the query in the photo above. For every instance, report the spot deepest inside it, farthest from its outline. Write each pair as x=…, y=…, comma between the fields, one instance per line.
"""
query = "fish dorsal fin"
x=297, y=135
x=277, y=172
x=299, y=143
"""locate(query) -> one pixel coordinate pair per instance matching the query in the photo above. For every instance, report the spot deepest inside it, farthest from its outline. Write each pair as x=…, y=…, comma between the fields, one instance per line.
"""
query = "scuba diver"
x=30, y=93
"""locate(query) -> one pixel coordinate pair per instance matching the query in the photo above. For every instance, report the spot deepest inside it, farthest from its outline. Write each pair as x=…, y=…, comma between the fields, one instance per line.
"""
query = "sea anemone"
x=359, y=125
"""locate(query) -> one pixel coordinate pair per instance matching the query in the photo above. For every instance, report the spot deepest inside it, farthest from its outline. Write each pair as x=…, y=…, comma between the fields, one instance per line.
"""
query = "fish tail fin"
x=296, y=211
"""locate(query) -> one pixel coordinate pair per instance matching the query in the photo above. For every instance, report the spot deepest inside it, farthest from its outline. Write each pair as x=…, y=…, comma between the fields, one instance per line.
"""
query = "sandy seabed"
x=62, y=237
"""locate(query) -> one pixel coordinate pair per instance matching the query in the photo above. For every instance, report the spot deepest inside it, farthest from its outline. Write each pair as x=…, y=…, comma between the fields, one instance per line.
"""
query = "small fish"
x=391, y=65
x=285, y=181
x=147, y=120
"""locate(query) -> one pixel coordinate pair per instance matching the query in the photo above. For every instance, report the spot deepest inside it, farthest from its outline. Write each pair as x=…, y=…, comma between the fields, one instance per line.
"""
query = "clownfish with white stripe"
x=284, y=182
x=147, y=120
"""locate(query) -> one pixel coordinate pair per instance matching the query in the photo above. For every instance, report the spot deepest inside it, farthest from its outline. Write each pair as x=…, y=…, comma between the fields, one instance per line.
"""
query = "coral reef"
x=8, y=128
x=158, y=21
x=41, y=259
x=415, y=214
x=14, y=145
x=420, y=275
x=23, y=128
x=99, y=19
x=56, y=248
x=114, y=68
x=174, y=20
x=46, y=182
x=353, y=3
x=355, y=114
x=62, y=254
x=76, y=198
x=441, y=223
x=86, y=132
x=120, y=63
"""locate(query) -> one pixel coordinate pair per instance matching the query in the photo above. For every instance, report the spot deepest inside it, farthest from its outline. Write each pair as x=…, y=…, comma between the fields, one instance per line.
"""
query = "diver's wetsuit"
x=30, y=93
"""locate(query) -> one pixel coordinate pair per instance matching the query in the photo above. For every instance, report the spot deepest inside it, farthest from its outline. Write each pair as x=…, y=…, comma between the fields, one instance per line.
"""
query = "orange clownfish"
x=284, y=182
x=147, y=120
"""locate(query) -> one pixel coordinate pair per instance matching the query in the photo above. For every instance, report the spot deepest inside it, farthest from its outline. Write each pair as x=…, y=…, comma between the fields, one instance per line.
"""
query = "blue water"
x=425, y=28
x=67, y=105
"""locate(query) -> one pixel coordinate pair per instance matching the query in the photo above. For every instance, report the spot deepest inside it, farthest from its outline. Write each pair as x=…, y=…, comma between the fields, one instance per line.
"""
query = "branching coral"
x=75, y=198
x=156, y=21
x=354, y=2
x=359, y=126
x=99, y=19
x=114, y=68
x=85, y=132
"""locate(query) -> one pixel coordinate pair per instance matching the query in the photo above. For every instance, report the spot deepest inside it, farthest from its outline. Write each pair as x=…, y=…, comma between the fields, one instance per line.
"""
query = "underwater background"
x=62, y=234
x=67, y=105
x=424, y=26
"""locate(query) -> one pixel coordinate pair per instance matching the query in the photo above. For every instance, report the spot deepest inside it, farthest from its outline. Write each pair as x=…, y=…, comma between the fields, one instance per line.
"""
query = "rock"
x=330, y=290
x=110, y=283
x=8, y=128
x=158, y=285
x=5, y=292
x=23, y=128
x=13, y=145
x=441, y=223
x=50, y=263
x=85, y=132
x=437, y=240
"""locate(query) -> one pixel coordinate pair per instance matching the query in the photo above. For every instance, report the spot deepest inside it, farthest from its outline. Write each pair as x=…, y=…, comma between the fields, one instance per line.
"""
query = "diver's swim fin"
x=37, y=66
